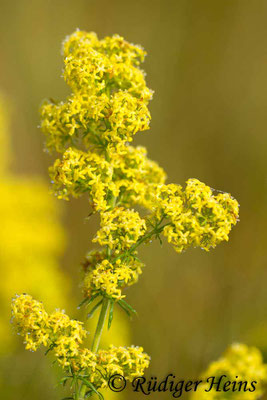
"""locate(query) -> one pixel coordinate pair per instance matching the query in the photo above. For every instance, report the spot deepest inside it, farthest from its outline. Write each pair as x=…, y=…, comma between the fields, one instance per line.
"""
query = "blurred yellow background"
x=207, y=62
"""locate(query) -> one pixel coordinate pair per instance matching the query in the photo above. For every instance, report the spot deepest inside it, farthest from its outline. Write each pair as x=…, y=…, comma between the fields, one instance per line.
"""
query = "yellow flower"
x=127, y=174
x=120, y=229
x=197, y=217
x=239, y=363
x=55, y=331
x=65, y=337
x=110, y=96
x=32, y=321
x=79, y=172
x=109, y=279
x=127, y=361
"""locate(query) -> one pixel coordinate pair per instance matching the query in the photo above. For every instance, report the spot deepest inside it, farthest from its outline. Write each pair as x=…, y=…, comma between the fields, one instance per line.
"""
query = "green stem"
x=82, y=392
x=100, y=324
x=77, y=395
x=142, y=240
x=105, y=305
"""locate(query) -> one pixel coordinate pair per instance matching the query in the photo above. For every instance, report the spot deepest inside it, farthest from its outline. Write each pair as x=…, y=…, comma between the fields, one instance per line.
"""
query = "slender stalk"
x=100, y=324
x=143, y=239
x=105, y=304
x=82, y=392
x=77, y=395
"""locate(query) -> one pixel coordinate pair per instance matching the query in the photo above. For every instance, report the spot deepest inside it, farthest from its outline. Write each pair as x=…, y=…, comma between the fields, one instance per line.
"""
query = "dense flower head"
x=110, y=96
x=167, y=200
x=135, y=175
x=93, y=65
x=120, y=229
x=127, y=361
x=108, y=279
x=80, y=172
x=128, y=174
x=197, y=217
x=240, y=363
x=31, y=320
x=92, y=258
x=65, y=337
x=54, y=330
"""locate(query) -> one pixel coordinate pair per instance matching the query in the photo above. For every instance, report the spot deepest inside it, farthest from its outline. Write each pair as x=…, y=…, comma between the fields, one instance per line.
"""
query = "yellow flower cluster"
x=80, y=172
x=135, y=175
x=128, y=175
x=32, y=321
x=110, y=96
x=120, y=229
x=54, y=330
x=240, y=363
x=109, y=279
x=126, y=361
x=107, y=107
x=65, y=337
x=197, y=217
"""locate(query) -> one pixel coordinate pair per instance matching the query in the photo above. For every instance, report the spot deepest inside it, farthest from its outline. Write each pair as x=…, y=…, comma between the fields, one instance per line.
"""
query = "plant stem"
x=144, y=238
x=100, y=324
x=82, y=392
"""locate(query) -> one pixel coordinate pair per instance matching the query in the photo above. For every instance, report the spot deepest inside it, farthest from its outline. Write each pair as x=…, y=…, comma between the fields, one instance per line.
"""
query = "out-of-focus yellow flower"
x=239, y=363
x=31, y=240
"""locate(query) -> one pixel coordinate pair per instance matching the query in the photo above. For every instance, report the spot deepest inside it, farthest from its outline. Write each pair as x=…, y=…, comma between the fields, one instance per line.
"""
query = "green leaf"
x=89, y=215
x=63, y=381
x=88, y=301
x=91, y=313
x=91, y=386
x=159, y=238
x=50, y=348
x=89, y=394
x=138, y=259
x=124, y=309
x=123, y=304
x=110, y=318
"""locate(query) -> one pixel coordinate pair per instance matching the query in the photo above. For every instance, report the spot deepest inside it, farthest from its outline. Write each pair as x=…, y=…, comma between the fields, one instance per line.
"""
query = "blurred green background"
x=207, y=62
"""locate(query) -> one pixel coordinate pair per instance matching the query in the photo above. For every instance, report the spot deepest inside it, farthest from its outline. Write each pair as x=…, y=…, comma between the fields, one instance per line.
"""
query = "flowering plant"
x=92, y=131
